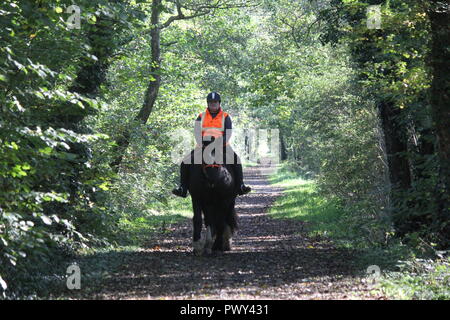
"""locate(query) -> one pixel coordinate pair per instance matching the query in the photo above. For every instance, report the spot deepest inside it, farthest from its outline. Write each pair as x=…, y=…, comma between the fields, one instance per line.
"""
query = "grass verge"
x=301, y=200
x=406, y=272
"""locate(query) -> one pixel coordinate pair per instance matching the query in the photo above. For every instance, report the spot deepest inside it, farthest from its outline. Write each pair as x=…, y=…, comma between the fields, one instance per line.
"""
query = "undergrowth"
x=406, y=271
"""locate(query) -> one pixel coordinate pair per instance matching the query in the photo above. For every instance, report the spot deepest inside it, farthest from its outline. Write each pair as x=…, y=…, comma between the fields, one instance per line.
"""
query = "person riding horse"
x=213, y=123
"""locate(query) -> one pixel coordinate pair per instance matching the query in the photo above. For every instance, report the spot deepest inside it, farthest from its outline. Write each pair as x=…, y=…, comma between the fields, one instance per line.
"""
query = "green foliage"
x=327, y=119
x=403, y=274
x=51, y=193
x=419, y=279
x=327, y=99
x=326, y=215
x=311, y=69
x=301, y=201
x=392, y=63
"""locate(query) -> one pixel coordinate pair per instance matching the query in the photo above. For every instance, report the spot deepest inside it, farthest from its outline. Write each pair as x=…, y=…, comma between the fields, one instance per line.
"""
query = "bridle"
x=204, y=166
x=211, y=165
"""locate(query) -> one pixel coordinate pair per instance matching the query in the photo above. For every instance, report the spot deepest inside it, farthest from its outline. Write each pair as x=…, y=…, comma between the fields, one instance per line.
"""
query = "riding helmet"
x=213, y=96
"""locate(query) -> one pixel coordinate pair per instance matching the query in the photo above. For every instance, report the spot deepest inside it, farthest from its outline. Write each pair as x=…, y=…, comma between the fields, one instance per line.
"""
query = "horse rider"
x=214, y=122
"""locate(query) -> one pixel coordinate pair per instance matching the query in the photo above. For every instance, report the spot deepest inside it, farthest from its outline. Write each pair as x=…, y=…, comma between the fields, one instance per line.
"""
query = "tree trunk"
x=283, y=155
x=439, y=62
x=153, y=87
x=396, y=147
x=396, y=144
x=151, y=93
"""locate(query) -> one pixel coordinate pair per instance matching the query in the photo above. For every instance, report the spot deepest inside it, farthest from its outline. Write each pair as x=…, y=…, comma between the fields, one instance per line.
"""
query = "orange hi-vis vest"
x=214, y=127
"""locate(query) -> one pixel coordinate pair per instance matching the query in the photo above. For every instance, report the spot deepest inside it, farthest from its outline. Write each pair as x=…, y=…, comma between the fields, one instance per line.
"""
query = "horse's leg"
x=231, y=216
x=219, y=230
x=209, y=239
x=230, y=225
x=227, y=238
x=197, y=222
x=209, y=224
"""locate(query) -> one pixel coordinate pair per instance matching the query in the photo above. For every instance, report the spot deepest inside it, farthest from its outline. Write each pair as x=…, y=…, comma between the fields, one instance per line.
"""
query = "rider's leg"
x=181, y=191
x=241, y=188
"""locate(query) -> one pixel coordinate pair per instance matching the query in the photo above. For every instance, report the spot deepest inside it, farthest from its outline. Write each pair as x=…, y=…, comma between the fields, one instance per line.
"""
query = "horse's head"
x=213, y=173
x=213, y=166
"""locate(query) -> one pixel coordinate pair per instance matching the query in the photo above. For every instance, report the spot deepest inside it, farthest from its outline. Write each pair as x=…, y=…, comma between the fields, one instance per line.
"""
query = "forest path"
x=270, y=259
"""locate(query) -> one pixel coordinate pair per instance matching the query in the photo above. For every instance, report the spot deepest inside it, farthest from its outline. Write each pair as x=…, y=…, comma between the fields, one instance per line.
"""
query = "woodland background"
x=86, y=114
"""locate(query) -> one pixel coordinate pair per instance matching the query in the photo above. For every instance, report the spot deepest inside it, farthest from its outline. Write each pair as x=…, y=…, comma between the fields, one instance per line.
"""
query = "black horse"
x=213, y=193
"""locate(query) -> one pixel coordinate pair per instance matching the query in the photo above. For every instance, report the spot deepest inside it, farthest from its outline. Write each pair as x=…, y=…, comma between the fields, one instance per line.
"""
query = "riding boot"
x=181, y=191
x=240, y=187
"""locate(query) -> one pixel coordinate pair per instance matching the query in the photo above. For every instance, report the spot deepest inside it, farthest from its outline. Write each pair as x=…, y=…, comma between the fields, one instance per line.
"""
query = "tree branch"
x=202, y=10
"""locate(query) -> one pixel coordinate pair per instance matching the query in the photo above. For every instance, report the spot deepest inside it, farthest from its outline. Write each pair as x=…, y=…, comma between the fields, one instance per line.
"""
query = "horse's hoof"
x=198, y=248
x=198, y=253
x=207, y=252
x=227, y=245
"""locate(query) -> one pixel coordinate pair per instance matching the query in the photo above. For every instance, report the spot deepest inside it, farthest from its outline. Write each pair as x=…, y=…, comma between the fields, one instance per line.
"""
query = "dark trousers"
x=195, y=156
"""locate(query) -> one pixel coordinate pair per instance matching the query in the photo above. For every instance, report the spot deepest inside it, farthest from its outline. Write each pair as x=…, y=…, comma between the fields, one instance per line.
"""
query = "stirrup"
x=180, y=191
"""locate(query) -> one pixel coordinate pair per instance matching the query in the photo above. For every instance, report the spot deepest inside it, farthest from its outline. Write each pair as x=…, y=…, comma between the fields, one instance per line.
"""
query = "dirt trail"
x=270, y=259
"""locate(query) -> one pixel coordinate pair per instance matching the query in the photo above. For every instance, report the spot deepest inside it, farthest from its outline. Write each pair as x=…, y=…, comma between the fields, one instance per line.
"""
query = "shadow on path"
x=270, y=259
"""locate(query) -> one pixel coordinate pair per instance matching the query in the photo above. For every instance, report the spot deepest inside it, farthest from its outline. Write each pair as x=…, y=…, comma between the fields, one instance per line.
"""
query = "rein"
x=204, y=166
x=211, y=165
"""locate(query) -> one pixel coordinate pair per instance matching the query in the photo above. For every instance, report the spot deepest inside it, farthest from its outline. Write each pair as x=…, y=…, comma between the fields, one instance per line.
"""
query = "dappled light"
x=270, y=259
x=332, y=117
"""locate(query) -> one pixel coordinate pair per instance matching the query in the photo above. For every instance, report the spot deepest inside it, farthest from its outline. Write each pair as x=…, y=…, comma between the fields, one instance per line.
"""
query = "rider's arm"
x=198, y=130
x=228, y=127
